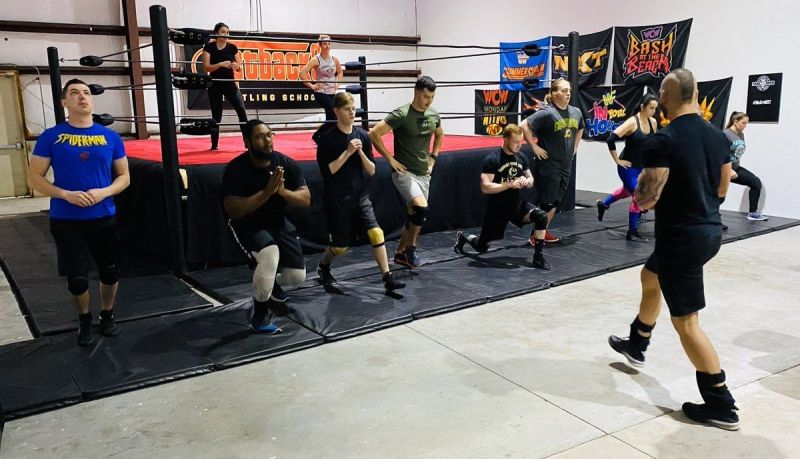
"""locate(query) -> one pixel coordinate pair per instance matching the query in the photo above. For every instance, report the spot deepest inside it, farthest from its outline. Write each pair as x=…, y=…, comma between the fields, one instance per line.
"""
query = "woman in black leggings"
x=741, y=176
x=221, y=59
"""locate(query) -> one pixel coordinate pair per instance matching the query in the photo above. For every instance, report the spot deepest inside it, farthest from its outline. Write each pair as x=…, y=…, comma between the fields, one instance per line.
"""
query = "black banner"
x=605, y=108
x=532, y=101
x=712, y=96
x=764, y=97
x=595, y=49
x=644, y=55
x=492, y=106
x=270, y=72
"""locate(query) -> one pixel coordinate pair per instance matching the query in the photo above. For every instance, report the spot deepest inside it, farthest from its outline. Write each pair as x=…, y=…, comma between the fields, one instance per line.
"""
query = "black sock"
x=106, y=314
x=325, y=267
x=538, y=246
x=259, y=310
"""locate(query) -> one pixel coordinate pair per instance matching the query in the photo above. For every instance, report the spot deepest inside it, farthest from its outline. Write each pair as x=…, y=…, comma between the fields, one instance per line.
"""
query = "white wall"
x=727, y=39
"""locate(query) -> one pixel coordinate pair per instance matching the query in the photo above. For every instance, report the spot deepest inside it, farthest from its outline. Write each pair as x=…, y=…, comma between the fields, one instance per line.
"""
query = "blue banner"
x=516, y=66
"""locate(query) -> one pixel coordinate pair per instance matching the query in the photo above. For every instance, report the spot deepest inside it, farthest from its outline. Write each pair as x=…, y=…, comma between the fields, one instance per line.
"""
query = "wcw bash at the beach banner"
x=643, y=55
x=270, y=72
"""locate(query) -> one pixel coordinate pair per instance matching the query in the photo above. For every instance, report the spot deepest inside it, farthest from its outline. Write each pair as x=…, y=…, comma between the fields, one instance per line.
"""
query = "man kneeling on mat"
x=504, y=173
x=257, y=186
x=344, y=155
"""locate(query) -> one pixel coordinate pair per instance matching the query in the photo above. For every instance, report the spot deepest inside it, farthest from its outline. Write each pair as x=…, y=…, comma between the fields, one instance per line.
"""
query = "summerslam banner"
x=643, y=55
x=712, y=96
x=491, y=108
x=269, y=74
x=593, y=54
x=605, y=108
x=516, y=66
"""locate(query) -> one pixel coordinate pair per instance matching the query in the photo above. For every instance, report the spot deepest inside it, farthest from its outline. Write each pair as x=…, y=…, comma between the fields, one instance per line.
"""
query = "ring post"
x=169, y=141
x=568, y=203
x=55, y=83
x=362, y=80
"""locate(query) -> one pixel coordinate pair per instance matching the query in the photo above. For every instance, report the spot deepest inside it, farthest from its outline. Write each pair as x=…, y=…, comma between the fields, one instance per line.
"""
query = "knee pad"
x=337, y=251
x=548, y=206
x=418, y=215
x=375, y=236
x=266, y=269
x=291, y=276
x=539, y=219
x=77, y=285
x=109, y=275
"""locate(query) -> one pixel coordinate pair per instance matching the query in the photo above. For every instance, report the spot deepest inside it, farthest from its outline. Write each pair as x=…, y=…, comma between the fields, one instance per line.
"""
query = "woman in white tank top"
x=329, y=73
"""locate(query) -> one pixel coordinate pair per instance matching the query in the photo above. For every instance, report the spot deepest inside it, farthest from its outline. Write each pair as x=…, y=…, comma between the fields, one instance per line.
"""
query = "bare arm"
x=300, y=197
x=305, y=72
x=352, y=147
x=438, y=138
x=208, y=67
x=651, y=183
x=239, y=206
x=623, y=130
x=578, y=137
x=529, y=177
x=489, y=187
x=366, y=163
x=122, y=178
x=339, y=71
x=376, y=135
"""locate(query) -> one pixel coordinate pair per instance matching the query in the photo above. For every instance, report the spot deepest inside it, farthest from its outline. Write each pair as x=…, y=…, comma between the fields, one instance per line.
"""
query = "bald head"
x=678, y=90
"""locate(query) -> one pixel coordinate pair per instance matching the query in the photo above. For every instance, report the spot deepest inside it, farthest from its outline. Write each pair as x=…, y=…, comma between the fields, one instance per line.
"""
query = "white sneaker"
x=757, y=217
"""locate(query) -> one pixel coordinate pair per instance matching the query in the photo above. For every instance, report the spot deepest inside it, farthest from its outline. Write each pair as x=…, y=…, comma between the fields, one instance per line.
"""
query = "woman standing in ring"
x=221, y=59
x=329, y=73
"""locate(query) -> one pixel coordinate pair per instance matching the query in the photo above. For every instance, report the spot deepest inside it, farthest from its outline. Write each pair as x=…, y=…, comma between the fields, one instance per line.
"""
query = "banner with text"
x=270, y=72
x=516, y=66
x=643, y=55
x=605, y=108
x=492, y=107
x=764, y=97
x=595, y=49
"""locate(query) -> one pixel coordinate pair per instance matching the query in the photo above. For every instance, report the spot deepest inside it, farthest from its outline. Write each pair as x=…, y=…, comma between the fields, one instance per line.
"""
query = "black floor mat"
x=138, y=297
x=222, y=334
x=33, y=378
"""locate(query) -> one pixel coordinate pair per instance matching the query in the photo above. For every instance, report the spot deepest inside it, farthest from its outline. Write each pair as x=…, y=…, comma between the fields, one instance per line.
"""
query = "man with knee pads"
x=686, y=175
x=90, y=168
x=344, y=155
x=413, y=125
x=504, y=173
x=257, y=187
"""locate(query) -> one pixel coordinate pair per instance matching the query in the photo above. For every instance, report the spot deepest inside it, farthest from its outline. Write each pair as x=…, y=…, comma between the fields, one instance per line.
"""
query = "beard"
x=263, y=154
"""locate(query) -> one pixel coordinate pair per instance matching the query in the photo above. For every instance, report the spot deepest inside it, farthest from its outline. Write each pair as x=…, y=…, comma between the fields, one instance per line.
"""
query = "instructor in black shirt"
x=686, y=176
x=221, y=59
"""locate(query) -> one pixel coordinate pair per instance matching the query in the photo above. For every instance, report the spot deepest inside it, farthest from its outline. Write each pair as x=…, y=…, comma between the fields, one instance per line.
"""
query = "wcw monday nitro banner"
x=593, y=55
x=605, y=108
x=269, y=74
x=516, y=66
x=643, y=55
x=493, y=106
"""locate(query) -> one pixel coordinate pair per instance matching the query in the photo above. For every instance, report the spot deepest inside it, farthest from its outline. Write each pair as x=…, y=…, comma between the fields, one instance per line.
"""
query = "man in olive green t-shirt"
x=413, y=161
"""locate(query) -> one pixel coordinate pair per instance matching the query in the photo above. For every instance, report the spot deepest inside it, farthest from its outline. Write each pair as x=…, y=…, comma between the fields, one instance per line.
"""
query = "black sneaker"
x=325, y=276
x=413, y=258
x=724, y=227
x=390, y=284
x=403, y=258
x=85, y=337
x=601, y=210
x=278, y=294
x=622, y=345
x=538, y=261
x=634, y=236
x=724, y=418
x=460, y=241
x=107, y=325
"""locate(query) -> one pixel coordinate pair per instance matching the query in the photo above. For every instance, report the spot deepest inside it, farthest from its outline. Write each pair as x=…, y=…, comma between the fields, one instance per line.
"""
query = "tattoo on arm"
x=651, y=183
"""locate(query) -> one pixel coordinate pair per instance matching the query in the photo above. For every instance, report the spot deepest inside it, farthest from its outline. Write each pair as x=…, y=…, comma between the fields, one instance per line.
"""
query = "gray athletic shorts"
x=411, y=185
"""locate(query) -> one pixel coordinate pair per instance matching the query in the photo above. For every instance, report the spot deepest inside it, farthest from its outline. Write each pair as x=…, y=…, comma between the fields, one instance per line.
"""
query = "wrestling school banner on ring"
x=491, y=106
x=643, y=55
x=593, y=56
x=516, y=66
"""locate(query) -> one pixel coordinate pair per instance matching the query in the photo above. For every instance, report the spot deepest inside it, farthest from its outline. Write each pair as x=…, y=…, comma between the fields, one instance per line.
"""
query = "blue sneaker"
x=413, y=258
x=757, y=217
x=264, y=325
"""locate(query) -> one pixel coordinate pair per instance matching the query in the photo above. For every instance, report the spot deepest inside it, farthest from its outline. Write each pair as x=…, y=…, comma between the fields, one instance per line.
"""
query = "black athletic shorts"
x=80, y=241
x=551, y=184
x=346, y=220
x=495, y=220
x=680, y=272
x=289, y=249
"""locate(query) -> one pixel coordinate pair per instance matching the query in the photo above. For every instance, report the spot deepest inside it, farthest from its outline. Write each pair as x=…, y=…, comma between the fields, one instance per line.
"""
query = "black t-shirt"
x=634, y=144
x=228, y=53
x=350, y=181
x=243, y=178
x=694, y=152
x=505, y=168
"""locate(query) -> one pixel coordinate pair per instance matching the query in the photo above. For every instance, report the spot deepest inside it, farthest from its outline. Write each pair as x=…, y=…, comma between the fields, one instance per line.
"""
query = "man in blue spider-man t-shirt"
x=89, y=169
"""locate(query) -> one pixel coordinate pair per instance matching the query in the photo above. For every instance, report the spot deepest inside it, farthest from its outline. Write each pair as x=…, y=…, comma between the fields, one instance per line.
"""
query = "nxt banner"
x=515, y=66
x=712, y=96
x=492, y=106
x=269, y=74
x=605, y=108
x=643, y=55
x=592, y=58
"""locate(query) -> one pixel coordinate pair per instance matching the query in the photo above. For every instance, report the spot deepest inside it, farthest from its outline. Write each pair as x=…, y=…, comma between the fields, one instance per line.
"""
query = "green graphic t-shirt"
x=412, y=136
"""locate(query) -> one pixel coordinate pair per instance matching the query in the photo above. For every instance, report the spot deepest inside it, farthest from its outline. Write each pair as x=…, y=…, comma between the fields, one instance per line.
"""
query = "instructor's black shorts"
x=289, y=249
x=80, y=241
x=680, y=272
x=496, y=220
x=347, y=219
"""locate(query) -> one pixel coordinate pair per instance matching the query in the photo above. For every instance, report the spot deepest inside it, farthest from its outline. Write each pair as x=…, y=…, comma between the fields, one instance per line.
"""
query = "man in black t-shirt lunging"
x=686, y=176
x=257, y=186
x=504, y=173
x=344, y=155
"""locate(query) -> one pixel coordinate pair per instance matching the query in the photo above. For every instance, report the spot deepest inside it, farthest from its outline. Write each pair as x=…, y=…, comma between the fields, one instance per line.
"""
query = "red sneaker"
x=549, y=237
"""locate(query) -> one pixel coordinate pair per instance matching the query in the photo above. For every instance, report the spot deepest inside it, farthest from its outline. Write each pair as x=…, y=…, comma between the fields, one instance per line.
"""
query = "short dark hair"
x=341, y=99
x=425, y=82
x=686, y=83
x=250, y=126
x=70, y=83
x=646, y=101
x=220, y=25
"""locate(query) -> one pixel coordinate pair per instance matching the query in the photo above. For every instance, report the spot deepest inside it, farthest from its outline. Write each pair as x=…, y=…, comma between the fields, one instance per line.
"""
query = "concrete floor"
x=531, y=376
